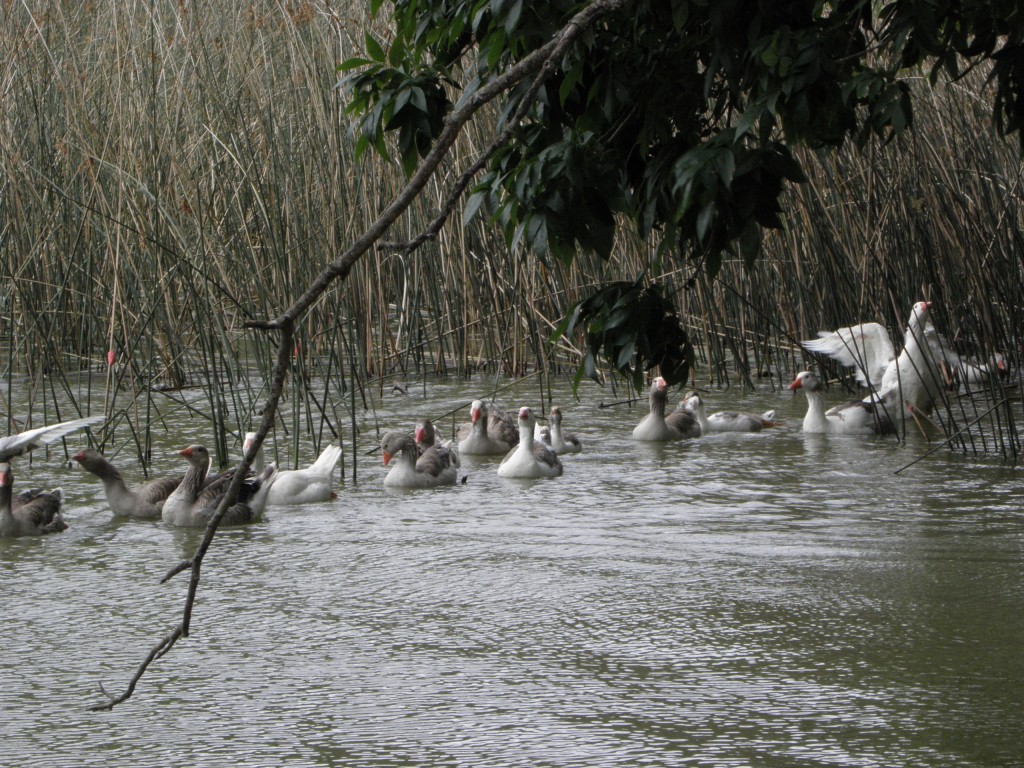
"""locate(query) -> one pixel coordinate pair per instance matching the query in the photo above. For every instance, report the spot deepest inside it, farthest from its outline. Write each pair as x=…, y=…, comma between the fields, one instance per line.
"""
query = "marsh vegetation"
x=170, y=170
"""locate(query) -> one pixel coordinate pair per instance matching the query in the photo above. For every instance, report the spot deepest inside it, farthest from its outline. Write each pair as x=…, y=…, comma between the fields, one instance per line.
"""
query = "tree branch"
x=541, y=61
x=158, y=650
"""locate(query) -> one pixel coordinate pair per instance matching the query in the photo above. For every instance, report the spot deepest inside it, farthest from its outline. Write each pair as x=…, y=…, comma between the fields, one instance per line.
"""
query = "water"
x=745, y=600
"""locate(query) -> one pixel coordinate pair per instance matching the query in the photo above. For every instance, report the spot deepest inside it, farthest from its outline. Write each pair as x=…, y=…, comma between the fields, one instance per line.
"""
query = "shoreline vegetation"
x=172, y=170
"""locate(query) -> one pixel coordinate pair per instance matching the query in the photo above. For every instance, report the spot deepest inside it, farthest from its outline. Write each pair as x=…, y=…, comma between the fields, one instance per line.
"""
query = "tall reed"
x=170, y=170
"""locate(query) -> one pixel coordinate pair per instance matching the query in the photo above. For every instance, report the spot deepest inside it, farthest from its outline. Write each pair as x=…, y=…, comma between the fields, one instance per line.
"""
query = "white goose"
x=856, y=418
x=33, y=513
x=553, y=436
x=488, y=433
x=971, y=375
x=910, y=378
x=656, y=427
x=430, y=470
x=727, y=421
x=309, y=485
x=530, y=458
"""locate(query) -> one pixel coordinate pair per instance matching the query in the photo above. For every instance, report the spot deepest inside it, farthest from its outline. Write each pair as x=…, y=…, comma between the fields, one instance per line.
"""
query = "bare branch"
x=541, y=61
x=184, y=565
x=157, y=651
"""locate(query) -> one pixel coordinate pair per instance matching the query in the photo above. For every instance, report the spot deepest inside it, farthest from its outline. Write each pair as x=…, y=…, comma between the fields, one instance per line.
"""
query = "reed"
x=170, y=170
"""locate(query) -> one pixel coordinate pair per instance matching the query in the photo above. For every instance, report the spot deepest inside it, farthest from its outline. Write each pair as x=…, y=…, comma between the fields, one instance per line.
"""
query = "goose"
x=23, y=442
x=553, y=436
x=36, y=512
x=33, y=513
x=655, y=427
x=144, y=502
x=411, y=470
x=970, y=375
x=856, y=418
x=912, y=377
x=427, y=436
x=194, y=501
x=530, y=458
x=488, y=433
x=982, y=374
x=299, y=486
x=727, y=421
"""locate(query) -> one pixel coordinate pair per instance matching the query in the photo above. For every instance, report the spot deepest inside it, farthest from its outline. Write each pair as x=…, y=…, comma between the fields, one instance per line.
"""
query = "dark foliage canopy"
x=676, y=116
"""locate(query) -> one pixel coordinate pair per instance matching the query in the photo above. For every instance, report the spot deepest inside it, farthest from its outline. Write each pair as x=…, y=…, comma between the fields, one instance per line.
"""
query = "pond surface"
x=776, y=599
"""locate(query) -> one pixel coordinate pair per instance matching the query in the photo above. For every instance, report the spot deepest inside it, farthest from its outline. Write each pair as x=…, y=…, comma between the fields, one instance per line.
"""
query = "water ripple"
x=772, y=600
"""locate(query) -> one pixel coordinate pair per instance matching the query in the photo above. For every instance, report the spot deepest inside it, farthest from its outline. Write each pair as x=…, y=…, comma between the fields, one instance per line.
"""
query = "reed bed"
x=169, y=170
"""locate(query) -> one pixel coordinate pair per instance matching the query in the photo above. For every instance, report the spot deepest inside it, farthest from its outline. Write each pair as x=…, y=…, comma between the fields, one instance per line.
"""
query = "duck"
x=656, y=427
x=910, y=378
x=530, y=458
x=310, y=485
x=726, y=421
x=195, y=500
x=33, y=513
x=856, y=418
x=412, y=470
x=552, y=435
x=144, y=502
x=488, y=433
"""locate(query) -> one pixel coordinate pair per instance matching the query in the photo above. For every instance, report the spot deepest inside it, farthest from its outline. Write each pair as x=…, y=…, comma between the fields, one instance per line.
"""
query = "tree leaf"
x=373, y=48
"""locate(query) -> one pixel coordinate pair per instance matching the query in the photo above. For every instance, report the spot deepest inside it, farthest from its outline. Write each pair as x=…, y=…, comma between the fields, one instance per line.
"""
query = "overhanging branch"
x=540, y=62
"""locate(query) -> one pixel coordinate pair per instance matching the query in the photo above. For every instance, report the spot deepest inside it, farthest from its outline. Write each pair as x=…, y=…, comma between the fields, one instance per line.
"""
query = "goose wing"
x=866, y=347
x=23, y=442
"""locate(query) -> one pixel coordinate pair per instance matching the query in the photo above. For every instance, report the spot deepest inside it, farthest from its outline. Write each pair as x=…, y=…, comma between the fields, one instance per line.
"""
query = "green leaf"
x=750, y=244
x=705, y=219
x=748, y=118
x=396, y=56
x=362, y=144
x=354, y=63
x=590, y=366
x=725, y=164
x=625, y=356
x=569, y=81
x=373, y=49
x=473, y=205
x=419, y=99
x=512, y=17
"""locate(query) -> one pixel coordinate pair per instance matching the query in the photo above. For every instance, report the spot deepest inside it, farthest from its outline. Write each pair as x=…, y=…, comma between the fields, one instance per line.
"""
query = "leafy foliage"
x=675, y=115
x=636, y=328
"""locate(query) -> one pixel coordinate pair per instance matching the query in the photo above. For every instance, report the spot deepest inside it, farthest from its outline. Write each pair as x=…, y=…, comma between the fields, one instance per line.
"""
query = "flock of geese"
x=903, y=385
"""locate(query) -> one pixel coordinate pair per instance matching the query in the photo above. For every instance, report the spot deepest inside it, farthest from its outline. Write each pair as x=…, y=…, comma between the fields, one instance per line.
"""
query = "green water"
x=742, y=600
